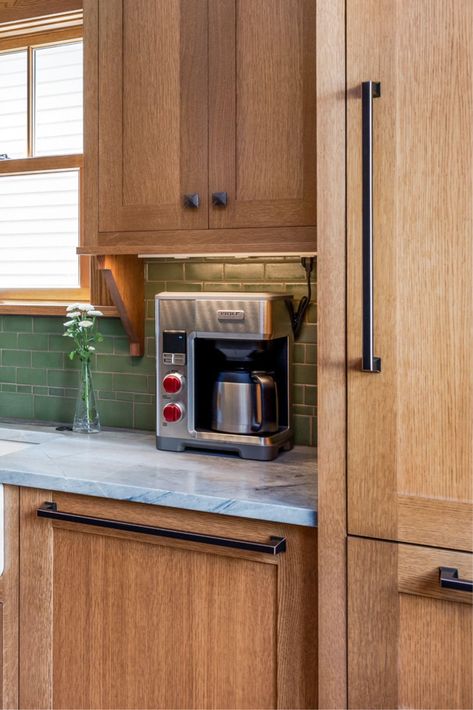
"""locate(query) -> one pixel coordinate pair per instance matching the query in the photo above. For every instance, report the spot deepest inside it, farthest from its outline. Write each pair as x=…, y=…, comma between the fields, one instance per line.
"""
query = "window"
x=41, y=145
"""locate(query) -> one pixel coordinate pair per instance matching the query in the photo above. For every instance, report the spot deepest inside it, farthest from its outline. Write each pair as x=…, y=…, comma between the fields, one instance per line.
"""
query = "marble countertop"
x=126, y=466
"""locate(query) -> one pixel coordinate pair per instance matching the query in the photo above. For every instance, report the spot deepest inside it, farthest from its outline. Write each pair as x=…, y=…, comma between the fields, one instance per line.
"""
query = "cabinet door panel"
x=111, y=619
x=160, y=610
x=9, y=602
x=410, y=428
x=262, y=112
x=409, y=640
x=152, y=113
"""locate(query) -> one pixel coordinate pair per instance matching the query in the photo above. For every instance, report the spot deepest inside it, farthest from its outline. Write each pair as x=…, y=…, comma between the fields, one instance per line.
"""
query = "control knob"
x=173, y=412
x=173, y=382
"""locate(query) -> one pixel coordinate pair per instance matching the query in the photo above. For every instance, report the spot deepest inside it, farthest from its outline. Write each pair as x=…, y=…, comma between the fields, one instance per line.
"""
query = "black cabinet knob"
x=219, y=199
x=192, y=200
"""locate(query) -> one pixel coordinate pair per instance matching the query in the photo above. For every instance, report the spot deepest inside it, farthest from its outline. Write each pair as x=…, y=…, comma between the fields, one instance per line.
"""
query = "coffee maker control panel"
x=173, y=377
x=174, y=347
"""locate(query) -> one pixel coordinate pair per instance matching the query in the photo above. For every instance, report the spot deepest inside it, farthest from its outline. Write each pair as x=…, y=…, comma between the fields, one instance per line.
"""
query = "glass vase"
x=86, y=417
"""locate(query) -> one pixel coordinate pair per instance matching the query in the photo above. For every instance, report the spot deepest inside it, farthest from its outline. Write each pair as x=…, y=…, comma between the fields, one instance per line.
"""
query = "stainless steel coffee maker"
x=224, y=373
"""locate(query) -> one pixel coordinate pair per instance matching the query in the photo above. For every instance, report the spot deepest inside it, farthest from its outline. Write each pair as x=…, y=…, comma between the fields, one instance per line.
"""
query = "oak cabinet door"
x=262, y=112
x=199, y=116
x=409, y=639
x=113, y=619
x=9, y=500
x=148, y=89
x=410, y=427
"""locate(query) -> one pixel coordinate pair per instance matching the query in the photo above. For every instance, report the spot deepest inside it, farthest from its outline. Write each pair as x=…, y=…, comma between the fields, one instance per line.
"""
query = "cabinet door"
x=113, y=619
x=410, y=427
x=9, y=502
x=262, y=112
x=147, y=60
x=409, y=639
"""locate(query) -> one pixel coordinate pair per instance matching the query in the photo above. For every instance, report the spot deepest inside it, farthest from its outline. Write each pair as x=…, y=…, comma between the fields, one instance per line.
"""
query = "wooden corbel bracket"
x=124, y=277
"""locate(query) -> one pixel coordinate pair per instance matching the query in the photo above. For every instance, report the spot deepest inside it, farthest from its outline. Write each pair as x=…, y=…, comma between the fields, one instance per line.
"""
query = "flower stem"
x=86, y=388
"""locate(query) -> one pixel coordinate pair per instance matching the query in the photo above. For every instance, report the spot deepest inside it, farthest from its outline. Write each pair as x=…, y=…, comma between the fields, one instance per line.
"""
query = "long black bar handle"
x=275, y=547
x=369, y=91
x=449, y=579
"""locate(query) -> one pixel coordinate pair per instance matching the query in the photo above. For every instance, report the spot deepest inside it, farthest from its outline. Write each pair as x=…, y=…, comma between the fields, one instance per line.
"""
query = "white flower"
x=90, y=347
x=85, y=307
x=69, y=322
x=72, y=307
x=74, y=314
x=93, y=312
x=85, y=324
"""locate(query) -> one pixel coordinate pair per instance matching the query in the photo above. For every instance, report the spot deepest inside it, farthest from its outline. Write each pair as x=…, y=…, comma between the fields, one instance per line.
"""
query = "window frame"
x=35, y=300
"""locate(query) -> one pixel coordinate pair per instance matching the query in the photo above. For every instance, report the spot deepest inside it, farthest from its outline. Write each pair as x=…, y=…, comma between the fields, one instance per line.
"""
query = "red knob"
x=173, y=383
x=173, y=412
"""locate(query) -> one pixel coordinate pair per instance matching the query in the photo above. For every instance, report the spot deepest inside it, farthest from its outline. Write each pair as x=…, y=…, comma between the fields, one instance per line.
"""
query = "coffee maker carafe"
x=245, y=402
x=224, y=373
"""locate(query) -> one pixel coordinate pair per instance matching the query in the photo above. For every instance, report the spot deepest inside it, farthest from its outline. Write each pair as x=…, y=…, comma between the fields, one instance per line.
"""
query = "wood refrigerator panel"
x=410, y=426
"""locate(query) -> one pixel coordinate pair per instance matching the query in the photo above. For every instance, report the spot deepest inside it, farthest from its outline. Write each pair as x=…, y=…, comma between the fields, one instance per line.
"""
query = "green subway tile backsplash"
x=211, y=271
x=7, y=374
x=33, y=341
x=244, y=271
x=39, y=381
x=16, y=404
x=17, y=324
x=16, y=357
x=165, y=271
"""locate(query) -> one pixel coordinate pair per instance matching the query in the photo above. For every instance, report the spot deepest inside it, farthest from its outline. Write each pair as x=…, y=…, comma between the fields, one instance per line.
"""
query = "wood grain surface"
x=14, y=10
x=152, y=112
x=124, y=620
x=260, y=240
x=36, y=605
x=409, y=639
x=418, y=572
x=9, y=602
x=331, y=358
x=247, y=106
x=124, y=278
x=262, y=112
x=410, y=428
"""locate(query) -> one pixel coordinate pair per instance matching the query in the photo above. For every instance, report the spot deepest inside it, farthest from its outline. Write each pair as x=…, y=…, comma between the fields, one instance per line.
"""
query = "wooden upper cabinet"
x=195, y=97
x=410, y=427
x=148, y=60
x=262, y=112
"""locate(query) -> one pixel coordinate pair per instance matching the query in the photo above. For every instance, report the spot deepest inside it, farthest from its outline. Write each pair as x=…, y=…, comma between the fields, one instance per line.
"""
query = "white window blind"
x=39, y=212
x=13, y=104
x=58, y=99
x=39, y=230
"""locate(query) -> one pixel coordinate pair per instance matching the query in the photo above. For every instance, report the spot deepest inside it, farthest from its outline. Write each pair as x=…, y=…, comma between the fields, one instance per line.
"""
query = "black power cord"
x=297, y=316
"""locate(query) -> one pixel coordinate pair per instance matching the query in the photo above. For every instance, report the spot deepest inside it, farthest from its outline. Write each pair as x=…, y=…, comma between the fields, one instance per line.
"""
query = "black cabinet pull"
x=276, y=546
x=369, y=91
x=449, y=579
x=192, y=200
x=219, y=199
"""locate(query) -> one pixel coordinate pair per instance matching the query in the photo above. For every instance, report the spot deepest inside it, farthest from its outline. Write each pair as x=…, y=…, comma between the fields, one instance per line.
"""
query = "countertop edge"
x=254, y=510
